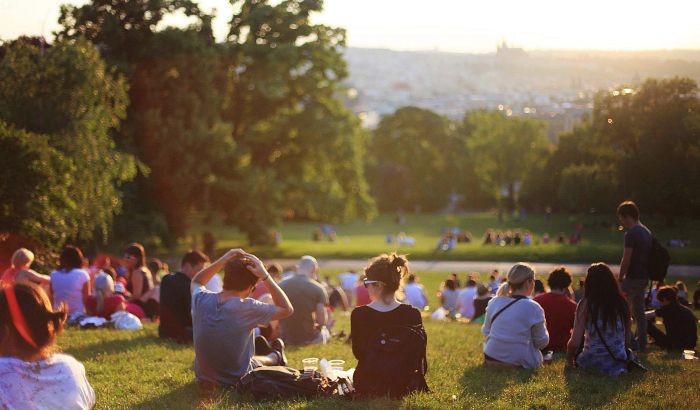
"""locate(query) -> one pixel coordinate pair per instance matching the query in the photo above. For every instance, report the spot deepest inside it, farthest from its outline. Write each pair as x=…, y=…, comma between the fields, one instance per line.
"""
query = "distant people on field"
x=33, y=374
x=362, y=294
x=634, y=271
x=515, y=325
x=140, y=280
x=448, y=297
x=20, y=270
x=156, y=267
x=602, y=324
x=70, y=283
x=483, y=296
x=309, y=299
x=545, y=238
x=679, y=321
x=336, y=295
x=682, y=293
x=379, y=371
x=176, y=299
x=224, y=323
x=559, y=309
x=494, y=283
x=415, y=292
x=651, y=300
x=465, y=299
x=104, y=302
x=456, y=280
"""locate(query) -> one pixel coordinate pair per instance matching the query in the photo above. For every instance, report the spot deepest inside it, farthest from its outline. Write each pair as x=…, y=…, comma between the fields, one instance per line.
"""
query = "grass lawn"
x=361, y=240
x=137, y=370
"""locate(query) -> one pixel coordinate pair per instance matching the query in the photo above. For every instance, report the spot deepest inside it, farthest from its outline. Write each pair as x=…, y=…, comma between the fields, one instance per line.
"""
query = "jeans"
x=635, y=290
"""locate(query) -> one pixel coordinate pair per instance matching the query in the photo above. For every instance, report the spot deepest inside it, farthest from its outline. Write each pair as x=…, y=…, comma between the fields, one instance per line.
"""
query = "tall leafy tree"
x=505, y=151
x=414, y=160
x=59, y=105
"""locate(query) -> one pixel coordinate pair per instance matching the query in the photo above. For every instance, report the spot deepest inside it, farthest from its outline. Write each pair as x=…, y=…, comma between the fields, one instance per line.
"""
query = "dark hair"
x=604, y=297
x=667, y=293
x=388, y=269
x=628, y=208
x=71, y=258
x=136, y=250
x=274, y=268
x=450, y=284
x=471, y=282
x=194, y=258
x=559, y=278
x=237, y=276
x=539, y=286
x=411, y=278
x=155, y=265
x=43, y=323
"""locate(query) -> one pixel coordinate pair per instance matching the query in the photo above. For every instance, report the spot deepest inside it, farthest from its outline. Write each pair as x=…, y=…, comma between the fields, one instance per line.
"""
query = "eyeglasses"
x=372, y=282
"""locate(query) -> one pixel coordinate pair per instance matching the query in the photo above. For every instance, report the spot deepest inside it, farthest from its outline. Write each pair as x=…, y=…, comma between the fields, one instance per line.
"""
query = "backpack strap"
x=502, y=310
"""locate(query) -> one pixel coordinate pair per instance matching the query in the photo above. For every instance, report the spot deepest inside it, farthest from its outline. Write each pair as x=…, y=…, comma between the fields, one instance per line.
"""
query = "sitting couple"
x=224, y=323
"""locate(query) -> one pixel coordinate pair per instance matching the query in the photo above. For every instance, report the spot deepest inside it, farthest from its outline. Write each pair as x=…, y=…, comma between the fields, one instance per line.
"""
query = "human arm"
x=577, y=335
x=136, y=284
x=283, y=305
x=34, y=277
x=625, y=263
x=538, y=331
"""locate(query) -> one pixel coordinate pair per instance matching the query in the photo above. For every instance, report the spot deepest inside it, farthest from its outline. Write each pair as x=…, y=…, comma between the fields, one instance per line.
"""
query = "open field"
x=361, y=240
x=137, y=370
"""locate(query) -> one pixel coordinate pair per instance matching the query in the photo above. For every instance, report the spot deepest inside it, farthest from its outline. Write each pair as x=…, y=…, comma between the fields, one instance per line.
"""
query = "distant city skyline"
x=452, y=25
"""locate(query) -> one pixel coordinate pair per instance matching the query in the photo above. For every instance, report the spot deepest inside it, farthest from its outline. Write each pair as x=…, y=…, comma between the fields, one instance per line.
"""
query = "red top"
x=8, y=277
x=259, y=290
x=559, y=312
x=362, y=296
x=110, y=305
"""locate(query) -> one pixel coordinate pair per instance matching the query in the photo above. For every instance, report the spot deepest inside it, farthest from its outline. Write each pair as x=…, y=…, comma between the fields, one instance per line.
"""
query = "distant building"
x=506, y=53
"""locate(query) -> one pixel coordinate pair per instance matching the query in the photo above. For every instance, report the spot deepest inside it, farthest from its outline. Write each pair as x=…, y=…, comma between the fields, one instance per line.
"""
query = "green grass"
x=137, y=370
x=361, y=240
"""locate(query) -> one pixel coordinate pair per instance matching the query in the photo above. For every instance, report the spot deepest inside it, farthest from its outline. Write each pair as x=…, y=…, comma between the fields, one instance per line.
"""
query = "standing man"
x=634, y=270
x=309, y=299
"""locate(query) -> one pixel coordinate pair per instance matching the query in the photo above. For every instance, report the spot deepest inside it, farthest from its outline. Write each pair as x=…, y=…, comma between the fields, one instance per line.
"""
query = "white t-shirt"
x=348, y=280
x=58, y=382
x=465, y=301
x=67, y=287
x=215, y=284
x=415, y=295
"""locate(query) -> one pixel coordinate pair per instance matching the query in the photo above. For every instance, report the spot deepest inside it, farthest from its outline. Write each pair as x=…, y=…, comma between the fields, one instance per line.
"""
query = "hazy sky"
x=455, y=25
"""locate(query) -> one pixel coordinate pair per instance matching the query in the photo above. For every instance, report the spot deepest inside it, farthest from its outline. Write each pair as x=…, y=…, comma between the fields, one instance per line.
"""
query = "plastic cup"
x=337, y=365
x=310, y=364
x=689, y=354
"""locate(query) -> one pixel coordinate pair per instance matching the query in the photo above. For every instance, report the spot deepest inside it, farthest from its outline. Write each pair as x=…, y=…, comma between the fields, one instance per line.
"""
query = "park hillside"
x=126, y=129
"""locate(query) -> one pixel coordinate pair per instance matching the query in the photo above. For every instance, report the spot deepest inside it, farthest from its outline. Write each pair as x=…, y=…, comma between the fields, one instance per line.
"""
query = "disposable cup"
x=338, y=365
x=310, y=364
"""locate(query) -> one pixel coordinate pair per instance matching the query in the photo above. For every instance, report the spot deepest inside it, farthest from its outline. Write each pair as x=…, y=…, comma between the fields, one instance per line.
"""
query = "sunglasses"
x=372, y=282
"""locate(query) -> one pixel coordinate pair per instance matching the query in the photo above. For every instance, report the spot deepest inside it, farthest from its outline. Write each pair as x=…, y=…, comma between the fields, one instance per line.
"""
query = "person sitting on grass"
x=70, y=283
x=140, y=280
x=559, y=309
x=374, y=377
x=679, y=321
x=224, y=323
x=415, y=292
x=448, y=297
x=682, y=293
x=465, y=299
x=514, y=325
x=176, y=299
x=483, y=296
x=603, y=322
x=104, y=302
x=21, y=261
x=33, y=375
x=310, y=300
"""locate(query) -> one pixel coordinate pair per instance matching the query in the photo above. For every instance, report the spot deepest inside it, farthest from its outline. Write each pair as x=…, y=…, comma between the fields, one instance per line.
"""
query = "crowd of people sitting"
x=517, y=237
x=245, y=320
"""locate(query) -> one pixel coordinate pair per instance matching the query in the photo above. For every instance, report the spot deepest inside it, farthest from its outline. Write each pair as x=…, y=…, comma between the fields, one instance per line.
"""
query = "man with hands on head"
x=224, y=322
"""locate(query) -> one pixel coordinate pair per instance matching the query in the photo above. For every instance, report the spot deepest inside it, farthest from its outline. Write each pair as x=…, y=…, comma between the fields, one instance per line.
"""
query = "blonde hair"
x=518, y=274
x=103, y=283
x=22, y=257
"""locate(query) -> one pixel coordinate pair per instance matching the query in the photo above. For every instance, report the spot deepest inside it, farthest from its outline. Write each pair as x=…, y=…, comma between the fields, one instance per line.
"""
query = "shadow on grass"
x=184, y=397
x=487, y=381
x=587, y=389
x=118, y=346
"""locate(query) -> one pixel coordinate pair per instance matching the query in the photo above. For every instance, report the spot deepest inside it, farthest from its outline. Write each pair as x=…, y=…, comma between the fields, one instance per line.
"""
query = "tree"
x=504, y=151
x=414, y=155
x=58, y=106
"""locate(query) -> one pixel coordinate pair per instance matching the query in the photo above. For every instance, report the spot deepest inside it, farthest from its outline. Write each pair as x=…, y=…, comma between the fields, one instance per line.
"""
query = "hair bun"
x=398, y=261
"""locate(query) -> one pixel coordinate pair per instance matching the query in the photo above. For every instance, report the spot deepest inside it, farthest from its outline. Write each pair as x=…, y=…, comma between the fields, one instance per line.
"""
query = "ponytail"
x=503, y=290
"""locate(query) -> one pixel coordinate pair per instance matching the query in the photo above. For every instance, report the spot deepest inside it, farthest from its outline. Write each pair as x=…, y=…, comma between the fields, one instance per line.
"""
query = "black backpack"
x=394, y=363
x=659, y=259
x=280, y=382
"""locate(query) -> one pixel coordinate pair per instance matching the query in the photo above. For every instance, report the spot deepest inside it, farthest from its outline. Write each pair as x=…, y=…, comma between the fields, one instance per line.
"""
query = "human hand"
x=255, y=265
x=233, y=254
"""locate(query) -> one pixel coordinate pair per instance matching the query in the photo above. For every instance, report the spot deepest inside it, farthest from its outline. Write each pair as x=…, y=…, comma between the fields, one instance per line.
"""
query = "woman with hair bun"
x=33, y=375
x=514, y=325
x=381, y=371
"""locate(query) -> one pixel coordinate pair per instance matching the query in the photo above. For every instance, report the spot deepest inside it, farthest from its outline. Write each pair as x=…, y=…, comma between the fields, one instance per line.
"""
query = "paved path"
x=579, y=269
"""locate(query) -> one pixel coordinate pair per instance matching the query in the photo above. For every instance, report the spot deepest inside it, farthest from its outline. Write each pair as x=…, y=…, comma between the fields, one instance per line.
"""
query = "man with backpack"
x=224, y=322
x=634, y=268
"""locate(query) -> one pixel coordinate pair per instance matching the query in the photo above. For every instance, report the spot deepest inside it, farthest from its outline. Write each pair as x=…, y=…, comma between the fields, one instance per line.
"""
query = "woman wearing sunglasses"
x=388, y=338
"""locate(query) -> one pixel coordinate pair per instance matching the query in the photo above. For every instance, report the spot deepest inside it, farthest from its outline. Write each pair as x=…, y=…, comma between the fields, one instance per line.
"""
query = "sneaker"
x=278, y=346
